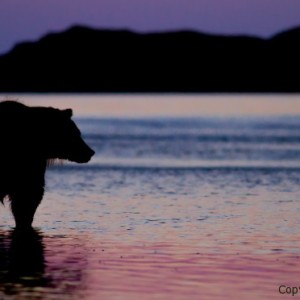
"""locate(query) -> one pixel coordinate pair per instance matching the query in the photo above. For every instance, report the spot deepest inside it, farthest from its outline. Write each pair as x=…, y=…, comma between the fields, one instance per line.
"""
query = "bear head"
x=60, y=137
x=40, y=133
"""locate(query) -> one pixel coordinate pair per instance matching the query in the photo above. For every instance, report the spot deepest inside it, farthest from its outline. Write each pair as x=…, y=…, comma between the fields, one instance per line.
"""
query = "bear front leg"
x=24, y=204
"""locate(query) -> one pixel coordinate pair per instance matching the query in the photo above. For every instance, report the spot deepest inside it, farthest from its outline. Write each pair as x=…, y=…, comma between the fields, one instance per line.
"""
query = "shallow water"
x=184, y=208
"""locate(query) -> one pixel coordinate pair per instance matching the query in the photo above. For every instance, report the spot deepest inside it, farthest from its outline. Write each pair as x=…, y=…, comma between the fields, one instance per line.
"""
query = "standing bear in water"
x=30, y=137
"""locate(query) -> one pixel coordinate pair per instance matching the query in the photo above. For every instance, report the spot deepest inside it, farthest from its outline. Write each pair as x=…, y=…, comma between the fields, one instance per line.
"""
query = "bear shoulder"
x=11, y=105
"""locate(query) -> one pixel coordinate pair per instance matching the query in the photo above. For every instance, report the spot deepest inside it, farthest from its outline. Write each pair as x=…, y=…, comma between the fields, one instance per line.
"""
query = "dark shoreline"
x=85, y=60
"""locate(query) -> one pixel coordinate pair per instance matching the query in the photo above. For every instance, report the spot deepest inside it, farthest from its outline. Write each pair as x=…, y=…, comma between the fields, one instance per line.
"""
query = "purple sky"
x=29, y=19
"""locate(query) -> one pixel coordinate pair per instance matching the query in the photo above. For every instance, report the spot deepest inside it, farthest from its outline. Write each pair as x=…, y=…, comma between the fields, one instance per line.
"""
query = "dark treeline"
x=88, y=60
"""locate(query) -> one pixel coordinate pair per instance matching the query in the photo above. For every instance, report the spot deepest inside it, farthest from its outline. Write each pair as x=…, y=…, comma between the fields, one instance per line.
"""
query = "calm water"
x=171, y=207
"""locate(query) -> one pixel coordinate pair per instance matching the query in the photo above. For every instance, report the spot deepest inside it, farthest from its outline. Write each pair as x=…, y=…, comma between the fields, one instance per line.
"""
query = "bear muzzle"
x=83, y=153
x=84, y=157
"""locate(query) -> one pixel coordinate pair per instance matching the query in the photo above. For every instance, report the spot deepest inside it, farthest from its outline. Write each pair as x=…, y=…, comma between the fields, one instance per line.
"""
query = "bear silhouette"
x=31, y=137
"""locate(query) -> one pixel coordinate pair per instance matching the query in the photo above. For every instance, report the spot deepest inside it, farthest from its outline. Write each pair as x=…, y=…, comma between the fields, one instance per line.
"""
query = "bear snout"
x=84, y=154
x=90, y=154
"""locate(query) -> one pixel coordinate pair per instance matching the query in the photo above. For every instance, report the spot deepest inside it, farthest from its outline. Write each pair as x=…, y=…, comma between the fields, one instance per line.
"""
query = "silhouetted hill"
x=88, y=60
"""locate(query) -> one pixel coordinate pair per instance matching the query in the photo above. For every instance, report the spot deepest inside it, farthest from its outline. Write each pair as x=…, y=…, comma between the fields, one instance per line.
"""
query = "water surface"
x=173, y=205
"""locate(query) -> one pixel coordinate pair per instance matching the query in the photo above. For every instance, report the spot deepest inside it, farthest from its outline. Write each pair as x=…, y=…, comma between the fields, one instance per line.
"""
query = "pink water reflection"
x=115, y=270
x=83, y=266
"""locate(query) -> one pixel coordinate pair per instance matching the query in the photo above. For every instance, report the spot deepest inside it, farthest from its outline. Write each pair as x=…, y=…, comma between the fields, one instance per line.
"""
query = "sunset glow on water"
x=168, y=105
x=190, y=198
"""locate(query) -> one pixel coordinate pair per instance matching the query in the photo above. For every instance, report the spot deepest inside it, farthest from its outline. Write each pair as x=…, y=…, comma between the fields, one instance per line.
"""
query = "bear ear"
x=68, y=112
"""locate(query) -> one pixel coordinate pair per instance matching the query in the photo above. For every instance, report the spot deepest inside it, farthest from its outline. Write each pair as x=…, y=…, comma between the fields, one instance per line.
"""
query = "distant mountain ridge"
x=83, y=59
